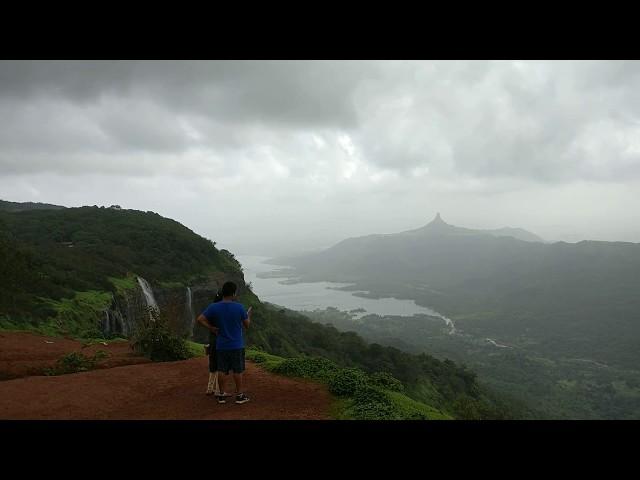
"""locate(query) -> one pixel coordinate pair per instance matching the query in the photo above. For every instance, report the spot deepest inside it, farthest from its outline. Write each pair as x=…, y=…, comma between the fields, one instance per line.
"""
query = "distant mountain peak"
x=437, y=224
x=438, y=219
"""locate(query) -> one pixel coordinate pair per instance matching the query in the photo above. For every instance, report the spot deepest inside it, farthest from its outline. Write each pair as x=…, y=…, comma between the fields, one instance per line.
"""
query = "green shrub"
x=266, y=360
x=369, y=393
x=154, y=339
x=359, y=398
x=387, y=381
x=466, y=409
x=307, y=367
x=75, y=362
x=346, y=381
x=372, y=403
x=100, y=355
x=259, y=357
x=196, y=349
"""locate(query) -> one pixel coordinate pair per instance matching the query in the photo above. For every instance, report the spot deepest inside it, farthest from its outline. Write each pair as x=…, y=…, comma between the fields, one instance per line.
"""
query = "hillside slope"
x=90, y=272
x=85, y=270
x=21, y=206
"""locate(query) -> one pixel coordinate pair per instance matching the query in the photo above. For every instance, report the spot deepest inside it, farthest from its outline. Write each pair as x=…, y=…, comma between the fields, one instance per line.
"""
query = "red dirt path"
x=27, y=354
x=172, y=390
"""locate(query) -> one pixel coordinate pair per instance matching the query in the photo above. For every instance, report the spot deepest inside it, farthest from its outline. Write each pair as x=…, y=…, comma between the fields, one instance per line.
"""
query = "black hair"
x=218, y=297
x=229, y=289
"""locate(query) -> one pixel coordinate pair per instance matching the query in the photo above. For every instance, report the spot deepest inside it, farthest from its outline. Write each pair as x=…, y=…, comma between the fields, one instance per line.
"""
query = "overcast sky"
x=273, y=157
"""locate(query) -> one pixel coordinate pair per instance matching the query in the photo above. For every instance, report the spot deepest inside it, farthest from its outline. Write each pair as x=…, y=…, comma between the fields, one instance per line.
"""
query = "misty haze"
x=416, y=239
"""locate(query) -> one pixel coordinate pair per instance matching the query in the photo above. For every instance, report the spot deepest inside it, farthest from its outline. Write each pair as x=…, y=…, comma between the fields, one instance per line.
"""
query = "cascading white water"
x=107, y=323
x=147, y=291
x=190, y=310
x=125, y=326
x=449, y=322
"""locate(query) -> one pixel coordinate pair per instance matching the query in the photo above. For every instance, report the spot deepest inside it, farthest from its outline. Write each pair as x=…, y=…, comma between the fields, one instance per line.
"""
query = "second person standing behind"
x=230, y=318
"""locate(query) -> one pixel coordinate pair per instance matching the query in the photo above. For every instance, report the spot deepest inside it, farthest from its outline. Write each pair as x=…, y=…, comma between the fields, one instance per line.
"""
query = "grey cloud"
x=127, y=108
x=478, y=119
x=293, y=93
x=504, y=119
x=76, y=80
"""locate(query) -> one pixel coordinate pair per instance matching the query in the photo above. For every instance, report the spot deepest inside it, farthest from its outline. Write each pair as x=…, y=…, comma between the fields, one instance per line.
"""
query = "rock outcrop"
x=181, y=305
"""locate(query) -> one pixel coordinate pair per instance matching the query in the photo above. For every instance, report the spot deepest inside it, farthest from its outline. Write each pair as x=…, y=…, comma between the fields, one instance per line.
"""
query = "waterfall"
x=148, y=294
x=124, y=326
x=190, y=316
x=107, y=324
x=129, y=318
x=118, y=324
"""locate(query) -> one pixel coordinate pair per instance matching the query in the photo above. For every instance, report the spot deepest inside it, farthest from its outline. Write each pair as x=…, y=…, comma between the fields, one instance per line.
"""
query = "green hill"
x=73, y=271
x=21, y=206
x=572, y=298
x=54, y=253
x=567, y=312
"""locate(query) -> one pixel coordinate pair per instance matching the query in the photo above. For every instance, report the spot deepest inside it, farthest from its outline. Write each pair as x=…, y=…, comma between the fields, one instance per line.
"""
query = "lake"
x=319, y=295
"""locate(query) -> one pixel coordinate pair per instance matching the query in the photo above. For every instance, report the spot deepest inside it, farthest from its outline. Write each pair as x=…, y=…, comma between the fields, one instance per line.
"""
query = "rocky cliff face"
x=181, y=304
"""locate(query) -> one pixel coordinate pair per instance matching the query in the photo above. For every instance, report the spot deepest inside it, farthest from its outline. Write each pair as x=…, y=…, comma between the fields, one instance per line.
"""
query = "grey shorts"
x=231, y=360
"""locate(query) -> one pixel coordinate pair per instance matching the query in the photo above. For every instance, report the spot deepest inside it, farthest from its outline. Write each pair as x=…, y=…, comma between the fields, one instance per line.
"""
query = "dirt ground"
x=26, y=354
x=126, y=387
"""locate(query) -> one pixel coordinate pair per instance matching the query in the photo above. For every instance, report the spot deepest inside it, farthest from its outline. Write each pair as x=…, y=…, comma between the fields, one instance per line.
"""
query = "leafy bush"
x=154, y=339
x=369, y=402
x=387, y=381
x=266, y=360
x=307, y=367
x=259, y=358
x=361, y=398
x=100, y=355
x=466, y=409
x=372, y=403
x=346, y=381
x=75, y=362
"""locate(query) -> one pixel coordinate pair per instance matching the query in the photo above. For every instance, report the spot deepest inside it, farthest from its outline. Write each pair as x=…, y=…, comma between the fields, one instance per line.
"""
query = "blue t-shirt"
x=228, y=317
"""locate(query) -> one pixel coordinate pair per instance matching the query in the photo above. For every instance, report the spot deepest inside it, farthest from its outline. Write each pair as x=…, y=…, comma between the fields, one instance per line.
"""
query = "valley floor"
x=141, y=390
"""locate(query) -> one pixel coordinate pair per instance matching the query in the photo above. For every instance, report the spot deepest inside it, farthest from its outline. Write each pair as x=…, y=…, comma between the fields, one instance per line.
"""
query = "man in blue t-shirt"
x=229, y=318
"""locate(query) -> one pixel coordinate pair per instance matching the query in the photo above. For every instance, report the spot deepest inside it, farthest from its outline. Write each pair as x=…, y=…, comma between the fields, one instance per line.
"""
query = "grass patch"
x=195, y=349
x=411, y=408
x=126, y=283
x=268, y=361
x=129, y=282
x=78, y=316
x=340, y=408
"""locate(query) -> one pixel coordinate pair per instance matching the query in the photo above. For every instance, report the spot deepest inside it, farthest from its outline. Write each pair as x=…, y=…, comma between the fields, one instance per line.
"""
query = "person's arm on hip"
x=202, y=320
